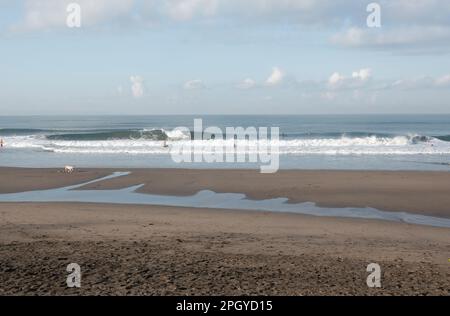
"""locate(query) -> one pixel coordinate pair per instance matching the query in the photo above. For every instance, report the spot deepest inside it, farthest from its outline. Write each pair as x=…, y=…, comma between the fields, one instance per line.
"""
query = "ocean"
x=371, y=142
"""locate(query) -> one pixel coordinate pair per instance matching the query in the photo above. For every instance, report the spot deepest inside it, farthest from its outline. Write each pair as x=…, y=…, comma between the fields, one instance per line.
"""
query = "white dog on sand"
x=69, y=169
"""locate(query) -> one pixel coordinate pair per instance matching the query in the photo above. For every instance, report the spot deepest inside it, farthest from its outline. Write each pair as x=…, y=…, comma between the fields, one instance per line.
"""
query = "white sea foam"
x=371, y=145
x=177, y=135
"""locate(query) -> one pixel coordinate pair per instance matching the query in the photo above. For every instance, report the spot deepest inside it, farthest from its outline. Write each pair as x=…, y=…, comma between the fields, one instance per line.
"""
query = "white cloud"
x=423, y=23
x=247, y=83
x=276, y=77
x=193, y=84
x=335, y=79
x=44, y=14
x=321, y=12
x=137, y=86
x=362, y=74
x=358, y=79
x=50, y=14
x=246, y=11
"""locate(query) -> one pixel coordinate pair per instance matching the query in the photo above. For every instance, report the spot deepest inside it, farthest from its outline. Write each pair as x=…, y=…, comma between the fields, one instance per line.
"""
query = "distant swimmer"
x=1, y=142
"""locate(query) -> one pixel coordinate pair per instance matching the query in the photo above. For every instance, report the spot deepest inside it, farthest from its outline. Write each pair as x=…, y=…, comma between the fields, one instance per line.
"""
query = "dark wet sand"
x=28, y=179
x=425, y=193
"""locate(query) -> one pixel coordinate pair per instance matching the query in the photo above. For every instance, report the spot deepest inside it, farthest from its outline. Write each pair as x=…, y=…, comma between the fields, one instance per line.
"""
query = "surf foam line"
x=212, y=200
x=342, y=146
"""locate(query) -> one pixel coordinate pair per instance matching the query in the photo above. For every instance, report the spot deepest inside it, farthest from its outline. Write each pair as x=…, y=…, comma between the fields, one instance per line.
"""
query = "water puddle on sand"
x=210, y=199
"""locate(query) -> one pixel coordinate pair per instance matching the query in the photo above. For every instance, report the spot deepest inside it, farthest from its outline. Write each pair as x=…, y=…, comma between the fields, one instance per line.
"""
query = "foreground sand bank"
x=416, y=192
x=129, y=249
x=164, y=250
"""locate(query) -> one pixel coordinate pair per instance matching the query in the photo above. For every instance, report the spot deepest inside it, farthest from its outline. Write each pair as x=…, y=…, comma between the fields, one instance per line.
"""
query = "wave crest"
x=153, y=141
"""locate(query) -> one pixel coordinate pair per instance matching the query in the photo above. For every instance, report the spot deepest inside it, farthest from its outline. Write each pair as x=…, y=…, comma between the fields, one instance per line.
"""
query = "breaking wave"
x=159, y=141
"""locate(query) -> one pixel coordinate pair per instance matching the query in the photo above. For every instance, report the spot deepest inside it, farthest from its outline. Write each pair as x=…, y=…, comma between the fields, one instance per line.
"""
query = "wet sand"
x=28, y=179
x=426, y=193
x=153, y=250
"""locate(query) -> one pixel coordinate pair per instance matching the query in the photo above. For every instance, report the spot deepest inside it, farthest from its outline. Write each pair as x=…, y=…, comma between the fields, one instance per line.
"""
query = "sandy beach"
x=418, y=192
x=155, y=250
x=225, y=148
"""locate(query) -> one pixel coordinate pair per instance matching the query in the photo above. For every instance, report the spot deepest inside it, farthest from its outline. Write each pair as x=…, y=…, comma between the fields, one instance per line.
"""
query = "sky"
x=224, y=57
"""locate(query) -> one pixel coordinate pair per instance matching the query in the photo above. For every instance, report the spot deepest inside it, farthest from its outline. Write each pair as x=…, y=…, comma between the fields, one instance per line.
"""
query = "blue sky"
x=224, y=57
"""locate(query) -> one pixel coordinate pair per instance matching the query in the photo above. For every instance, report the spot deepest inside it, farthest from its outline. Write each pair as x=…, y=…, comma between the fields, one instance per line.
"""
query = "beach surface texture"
x=163, y=250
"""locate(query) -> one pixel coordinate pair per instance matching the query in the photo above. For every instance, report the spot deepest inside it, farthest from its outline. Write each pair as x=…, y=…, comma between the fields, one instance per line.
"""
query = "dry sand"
x=125, y=249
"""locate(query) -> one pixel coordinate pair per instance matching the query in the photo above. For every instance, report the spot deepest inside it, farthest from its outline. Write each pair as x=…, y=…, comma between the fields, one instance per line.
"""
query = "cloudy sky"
x=224, y=57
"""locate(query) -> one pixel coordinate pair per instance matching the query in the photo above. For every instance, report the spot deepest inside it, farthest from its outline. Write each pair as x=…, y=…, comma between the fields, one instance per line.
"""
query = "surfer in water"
x=1, y=142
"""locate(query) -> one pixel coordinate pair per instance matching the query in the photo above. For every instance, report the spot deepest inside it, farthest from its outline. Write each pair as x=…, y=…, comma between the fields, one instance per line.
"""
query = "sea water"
x=377, y=142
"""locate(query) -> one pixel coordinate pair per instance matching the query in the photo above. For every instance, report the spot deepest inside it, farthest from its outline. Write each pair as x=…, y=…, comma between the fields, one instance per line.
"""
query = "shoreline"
x=416, y=192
